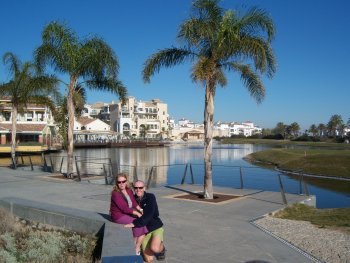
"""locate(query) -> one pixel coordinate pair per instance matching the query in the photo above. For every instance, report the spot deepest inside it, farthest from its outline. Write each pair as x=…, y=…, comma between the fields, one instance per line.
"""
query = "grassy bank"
x=311, y=161
x=284, y=142
x=336, y=217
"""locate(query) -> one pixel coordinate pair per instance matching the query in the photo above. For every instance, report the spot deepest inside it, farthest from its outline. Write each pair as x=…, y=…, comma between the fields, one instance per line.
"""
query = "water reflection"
x=166, y=165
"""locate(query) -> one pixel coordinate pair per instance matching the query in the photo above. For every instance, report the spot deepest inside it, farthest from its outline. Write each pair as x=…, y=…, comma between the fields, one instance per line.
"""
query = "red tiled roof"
x=23, y=127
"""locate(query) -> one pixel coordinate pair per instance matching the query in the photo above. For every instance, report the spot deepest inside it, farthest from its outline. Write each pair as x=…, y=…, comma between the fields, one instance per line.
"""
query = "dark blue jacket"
x=150, y=217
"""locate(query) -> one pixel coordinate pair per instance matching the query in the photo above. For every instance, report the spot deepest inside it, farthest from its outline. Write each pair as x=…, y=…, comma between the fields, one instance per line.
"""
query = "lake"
x=167, y=165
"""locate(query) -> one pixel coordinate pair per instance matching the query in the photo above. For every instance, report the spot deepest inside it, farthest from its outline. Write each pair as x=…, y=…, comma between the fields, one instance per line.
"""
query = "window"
x=7, y=116
x=29, y=116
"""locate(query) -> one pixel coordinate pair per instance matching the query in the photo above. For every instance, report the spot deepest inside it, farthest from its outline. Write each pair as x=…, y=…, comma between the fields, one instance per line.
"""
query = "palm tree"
x=26, y=86
x=334, y=124
x=295, y=128
x=216, y=41
x=281, y=129
x=313, y=129
x=321, y=128
x=90, y=63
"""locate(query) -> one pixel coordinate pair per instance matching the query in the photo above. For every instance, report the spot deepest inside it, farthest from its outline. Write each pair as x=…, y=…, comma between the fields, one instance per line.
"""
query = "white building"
x=190, y=130
x=135, y=118
x=245, y=128
x=90, y=129
x=98, y=110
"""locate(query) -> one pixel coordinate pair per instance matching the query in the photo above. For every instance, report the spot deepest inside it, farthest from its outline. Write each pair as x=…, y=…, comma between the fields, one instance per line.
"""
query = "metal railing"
x=107, y=169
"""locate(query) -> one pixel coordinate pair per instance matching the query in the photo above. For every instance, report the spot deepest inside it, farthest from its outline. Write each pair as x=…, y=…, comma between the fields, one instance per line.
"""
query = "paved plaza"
x=195, y=231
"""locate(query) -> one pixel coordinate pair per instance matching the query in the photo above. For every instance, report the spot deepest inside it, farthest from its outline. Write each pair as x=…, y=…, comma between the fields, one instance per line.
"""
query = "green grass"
x=335, y=217
x=284, y=142
x=312, y=161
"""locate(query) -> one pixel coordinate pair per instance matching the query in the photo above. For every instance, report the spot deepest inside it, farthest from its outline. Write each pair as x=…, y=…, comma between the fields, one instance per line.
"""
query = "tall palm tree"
x=89, y=62
x=26, y=86
x=216, y=41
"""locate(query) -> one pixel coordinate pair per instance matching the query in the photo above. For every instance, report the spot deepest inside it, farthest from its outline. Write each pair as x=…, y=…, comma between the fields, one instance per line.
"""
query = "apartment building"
x=148, y=119
x=34, y=124
x=98, y=110
x=246, y=129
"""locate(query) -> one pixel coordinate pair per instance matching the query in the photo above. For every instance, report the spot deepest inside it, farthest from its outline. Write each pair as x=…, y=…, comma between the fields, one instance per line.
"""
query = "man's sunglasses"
x=137, y=187
x=121, y=182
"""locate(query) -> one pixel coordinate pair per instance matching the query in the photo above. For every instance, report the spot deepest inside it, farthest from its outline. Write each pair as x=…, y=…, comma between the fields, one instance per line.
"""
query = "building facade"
x=136, y=118
x=34, y=124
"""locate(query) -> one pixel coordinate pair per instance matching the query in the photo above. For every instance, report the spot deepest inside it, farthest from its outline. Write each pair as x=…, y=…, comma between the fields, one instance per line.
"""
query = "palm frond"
x=107, y=84
x=165, y=58
x=250, y=79
x=260, y=51
x=97, y=59
x=257, y=20
x=14, y=64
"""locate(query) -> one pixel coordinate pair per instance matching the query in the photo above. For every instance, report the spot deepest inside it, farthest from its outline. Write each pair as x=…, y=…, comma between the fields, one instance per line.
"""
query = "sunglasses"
x=121, y=182
x=137, y=187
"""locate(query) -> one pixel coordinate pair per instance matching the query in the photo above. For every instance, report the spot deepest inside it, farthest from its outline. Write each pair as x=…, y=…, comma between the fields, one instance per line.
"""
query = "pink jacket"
x=119, y=205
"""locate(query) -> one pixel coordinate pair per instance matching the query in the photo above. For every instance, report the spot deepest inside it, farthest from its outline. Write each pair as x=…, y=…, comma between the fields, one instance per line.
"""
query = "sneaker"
x=160, y=256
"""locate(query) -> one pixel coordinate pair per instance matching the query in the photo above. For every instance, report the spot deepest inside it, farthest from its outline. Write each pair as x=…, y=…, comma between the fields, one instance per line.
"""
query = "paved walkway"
x=195, y=231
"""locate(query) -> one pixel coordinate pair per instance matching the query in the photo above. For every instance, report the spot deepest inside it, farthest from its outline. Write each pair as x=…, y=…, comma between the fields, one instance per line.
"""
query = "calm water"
x=169, y=166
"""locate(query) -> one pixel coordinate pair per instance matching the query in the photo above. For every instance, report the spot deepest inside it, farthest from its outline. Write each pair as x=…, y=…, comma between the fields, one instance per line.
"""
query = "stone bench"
x=117, y=245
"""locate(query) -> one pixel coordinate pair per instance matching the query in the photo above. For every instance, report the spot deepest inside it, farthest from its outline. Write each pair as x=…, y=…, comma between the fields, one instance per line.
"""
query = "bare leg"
x=156, y=244
x=138, y=242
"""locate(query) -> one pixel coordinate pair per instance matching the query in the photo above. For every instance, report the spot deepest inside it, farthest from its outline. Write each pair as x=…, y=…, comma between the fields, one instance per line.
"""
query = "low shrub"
x=27, y=243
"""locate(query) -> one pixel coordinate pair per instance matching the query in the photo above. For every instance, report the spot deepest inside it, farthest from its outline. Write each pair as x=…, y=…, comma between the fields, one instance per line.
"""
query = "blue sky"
x=312, y=47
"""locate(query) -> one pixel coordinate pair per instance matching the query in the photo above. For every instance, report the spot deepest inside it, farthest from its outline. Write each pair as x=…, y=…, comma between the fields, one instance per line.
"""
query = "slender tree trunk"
x=70, y=107
x=208, y=138
x=13, y=135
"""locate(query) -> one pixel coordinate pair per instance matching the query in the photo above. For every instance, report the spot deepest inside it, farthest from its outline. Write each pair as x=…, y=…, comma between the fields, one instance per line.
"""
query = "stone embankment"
x=327, y=245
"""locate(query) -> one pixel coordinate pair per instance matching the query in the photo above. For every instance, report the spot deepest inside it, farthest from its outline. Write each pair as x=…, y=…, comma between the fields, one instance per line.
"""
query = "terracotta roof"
x=23, y=127
x=85, y=120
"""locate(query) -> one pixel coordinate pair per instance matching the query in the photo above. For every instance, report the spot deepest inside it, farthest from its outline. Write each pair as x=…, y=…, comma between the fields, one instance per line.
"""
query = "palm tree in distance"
x=26, y=86
x=216, y=41
x=90, y=63
x=334, y=124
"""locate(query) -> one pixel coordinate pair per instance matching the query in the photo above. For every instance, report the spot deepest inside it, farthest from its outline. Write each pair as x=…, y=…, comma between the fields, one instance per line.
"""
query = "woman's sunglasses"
x=121, y=182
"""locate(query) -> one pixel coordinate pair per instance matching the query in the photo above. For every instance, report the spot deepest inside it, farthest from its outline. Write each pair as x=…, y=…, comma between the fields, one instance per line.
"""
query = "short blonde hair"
x=116, y=187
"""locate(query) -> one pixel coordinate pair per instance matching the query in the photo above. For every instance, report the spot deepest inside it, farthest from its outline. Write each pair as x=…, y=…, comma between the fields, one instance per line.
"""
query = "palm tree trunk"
x=13, y=135
x=70, y=107
x=208, y=138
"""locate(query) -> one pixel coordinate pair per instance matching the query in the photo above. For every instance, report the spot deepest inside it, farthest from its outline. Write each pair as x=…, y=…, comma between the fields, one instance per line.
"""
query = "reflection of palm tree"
x=90, y=62
x=217, y=40
x=26, y=86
